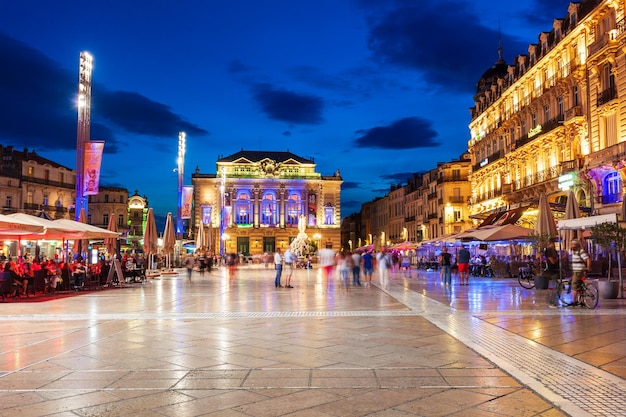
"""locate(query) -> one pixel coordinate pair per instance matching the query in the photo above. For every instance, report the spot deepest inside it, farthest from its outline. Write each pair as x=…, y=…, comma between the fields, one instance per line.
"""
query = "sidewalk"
x=241, y=347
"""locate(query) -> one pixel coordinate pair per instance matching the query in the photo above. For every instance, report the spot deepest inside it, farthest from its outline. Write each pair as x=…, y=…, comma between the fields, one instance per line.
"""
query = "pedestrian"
x=368, y=267
x=383, y=263
x=189, y=263
x=278, y=265
x=464, y=261
x=356, y=269
x=553, y=270
x=580, y=262
x=445, y=262
x=290, y=260
x=327, y=261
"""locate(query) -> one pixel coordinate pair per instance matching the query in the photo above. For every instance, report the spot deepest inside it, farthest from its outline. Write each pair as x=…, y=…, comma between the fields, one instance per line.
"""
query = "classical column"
x=256, y=191
x=281, y=205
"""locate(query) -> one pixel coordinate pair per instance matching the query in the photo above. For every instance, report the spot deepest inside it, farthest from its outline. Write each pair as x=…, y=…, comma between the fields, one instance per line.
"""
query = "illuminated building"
x=258, y=197
x=551, y=121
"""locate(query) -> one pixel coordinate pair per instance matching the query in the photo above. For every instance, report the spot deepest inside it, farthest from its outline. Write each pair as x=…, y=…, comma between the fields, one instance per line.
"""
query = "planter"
x=542, y=282
x=608, y=289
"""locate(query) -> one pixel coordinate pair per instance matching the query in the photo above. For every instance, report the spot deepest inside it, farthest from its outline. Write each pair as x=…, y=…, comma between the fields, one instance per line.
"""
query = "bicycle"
x=587, y=294
x=526, y=277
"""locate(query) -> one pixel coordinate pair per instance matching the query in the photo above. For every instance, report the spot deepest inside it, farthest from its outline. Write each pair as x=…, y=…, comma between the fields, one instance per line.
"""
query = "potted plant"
x=612, y=238
x=540, y=241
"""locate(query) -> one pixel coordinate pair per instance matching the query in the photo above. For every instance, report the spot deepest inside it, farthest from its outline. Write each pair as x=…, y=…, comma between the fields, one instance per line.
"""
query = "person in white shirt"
x=290, y=260
x=278, y=264
x=384, y=265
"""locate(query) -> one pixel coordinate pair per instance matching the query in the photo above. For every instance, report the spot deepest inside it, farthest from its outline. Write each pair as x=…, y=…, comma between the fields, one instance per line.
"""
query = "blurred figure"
x=327, y=261
x=368, y=267
x=356, y=269
x=464, y=261
x=189, y=263
x=384, y=263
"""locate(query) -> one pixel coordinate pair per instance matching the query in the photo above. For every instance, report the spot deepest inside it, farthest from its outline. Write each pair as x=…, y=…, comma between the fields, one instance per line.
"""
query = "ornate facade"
x=254, y=201
x=554, y=120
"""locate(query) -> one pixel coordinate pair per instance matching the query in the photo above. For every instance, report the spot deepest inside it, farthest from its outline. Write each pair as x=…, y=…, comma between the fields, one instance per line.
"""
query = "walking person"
x=290, y=260
x=464, y=261
x=383, y=260
x=356, y=269
x=368, y=267
x=445, y=262
x=552, y=270
x=189, y=263
x=278, y=265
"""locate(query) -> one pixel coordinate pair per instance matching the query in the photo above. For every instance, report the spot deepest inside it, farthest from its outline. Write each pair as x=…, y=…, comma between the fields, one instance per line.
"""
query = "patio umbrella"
x=201, y=238
x=496, y=233
x=150, y=239
x=545, y=224
x=111, y=242
x=571, y=212
x=169, y=239
x=12, y=228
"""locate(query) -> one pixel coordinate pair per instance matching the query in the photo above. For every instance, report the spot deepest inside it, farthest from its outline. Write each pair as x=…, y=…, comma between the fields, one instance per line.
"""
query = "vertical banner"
x=187, y=199
x=228, y=210
x=312, y=210
x=93, y=160
x=206, y=215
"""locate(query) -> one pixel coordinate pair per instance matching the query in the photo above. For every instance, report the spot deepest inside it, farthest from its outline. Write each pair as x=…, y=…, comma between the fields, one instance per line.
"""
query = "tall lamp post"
x=181, y=178
x=85, y=69
x=222, y=209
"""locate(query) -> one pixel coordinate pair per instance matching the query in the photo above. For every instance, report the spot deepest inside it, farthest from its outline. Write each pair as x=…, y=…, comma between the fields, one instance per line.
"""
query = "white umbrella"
x=496, y=233
x=571, y=212
x=545, y=224
x=169, y=239
x=111, y=242
x=150, y=239
x=201, y=238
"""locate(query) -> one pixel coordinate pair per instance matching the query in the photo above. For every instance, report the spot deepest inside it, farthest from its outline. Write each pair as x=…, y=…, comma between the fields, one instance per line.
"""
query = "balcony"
x=432, y=216
x=541, y=129
x=600, y=43
x=607, y=155
x=537, y=178
x=452, y=178
x=47, y=182
x=574, y=112
x=432, y=196
x=486, y=196
x=481, y=164
x=571, y=166
x=607, y=95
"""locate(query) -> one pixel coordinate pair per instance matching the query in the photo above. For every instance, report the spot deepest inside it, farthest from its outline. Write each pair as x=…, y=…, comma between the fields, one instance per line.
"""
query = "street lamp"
x=318, y=240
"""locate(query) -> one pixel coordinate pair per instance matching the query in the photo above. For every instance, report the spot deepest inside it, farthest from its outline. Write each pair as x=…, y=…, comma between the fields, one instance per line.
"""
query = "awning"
x=503, y=218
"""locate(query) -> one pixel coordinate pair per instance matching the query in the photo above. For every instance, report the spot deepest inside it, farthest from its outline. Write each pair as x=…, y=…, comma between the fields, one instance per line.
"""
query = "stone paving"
x=240, y=347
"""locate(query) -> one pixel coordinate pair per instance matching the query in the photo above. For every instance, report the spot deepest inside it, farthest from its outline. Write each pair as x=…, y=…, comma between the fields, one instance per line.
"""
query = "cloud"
x=38, y=105
x=402, y=177
x=288, y=106
x=138, y=114
x=348, y=185
x=543, y=13
x=407, y=133
x=443, y=40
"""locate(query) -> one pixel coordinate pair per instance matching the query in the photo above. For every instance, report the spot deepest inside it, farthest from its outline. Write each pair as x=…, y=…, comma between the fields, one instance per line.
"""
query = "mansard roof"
x=258, y=156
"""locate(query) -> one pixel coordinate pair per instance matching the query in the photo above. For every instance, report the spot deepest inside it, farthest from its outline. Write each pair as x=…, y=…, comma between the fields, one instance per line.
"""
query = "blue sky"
x=376, y=88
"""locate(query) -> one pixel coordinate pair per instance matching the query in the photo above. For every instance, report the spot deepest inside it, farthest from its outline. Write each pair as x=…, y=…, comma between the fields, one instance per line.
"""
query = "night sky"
x=376, y=88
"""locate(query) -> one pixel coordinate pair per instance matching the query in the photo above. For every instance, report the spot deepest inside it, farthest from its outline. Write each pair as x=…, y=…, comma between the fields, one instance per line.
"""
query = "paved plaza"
x=241, y=347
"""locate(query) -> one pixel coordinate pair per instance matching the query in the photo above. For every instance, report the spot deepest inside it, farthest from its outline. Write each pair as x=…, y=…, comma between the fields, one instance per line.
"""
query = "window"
x=106, y=198
x=457, y=215
x=8, y=201
x=120, y=220
x=576, y=95
x=46, y=175
x=61, y=177
x=546, y=113
x=89, y=218
x=31, y=171
x=293, y=209
x=607, y=78
x=456, y=174
x=269, y=209
x=534, y=119
x=29, y=197
x=612, y=188
x=243, y=208
x=329, y=215
x=560, y=106
x=105, y=219
x=59, y=203
x=45, y=199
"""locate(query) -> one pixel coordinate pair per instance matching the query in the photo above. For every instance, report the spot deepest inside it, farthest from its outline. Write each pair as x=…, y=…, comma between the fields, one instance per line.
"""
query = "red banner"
x=185, y=210
x=93, y=160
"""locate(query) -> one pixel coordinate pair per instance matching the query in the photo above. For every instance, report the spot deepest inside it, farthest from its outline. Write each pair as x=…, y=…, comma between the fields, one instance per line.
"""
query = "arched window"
x=243, y=208
x=269, y=209
x=612, y=188
x=293, y=209
x=329, y=215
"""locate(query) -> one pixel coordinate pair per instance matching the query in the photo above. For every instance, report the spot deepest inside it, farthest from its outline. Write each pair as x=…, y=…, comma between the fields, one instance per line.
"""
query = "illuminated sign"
x=534, y=131
x=484, y=162
x=566, y=181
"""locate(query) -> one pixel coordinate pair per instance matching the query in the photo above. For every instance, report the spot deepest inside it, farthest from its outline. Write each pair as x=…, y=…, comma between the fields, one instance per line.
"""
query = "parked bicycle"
x=526, y=277
x=587, y=294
